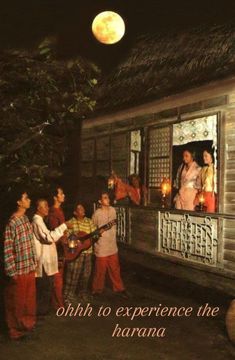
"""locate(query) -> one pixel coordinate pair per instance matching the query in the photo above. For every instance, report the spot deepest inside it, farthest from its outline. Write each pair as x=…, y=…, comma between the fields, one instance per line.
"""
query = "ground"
x=89, y=338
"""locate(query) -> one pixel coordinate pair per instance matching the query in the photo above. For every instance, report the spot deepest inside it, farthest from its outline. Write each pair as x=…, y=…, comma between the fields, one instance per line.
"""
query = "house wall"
x=144, y=223
x=229, y=187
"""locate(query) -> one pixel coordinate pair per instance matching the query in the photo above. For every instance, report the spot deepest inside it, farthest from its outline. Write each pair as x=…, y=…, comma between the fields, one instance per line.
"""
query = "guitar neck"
x=107, y=226
x=97, y=231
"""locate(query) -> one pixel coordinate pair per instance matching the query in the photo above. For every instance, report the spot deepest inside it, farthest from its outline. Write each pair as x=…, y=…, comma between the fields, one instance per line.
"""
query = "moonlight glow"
x=108, y=27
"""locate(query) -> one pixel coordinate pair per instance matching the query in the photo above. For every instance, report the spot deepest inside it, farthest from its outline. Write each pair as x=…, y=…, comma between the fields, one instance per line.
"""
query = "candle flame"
x=201, y=199
x=166, y=186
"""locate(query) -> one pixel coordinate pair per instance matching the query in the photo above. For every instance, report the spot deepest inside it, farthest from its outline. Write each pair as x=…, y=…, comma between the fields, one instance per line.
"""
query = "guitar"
x=76, y=243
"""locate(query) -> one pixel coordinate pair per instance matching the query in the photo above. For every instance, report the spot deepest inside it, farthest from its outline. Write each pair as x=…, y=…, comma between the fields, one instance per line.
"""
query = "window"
x=135, y=151
x=199, y=137
x=166, y=146
x=159, y=161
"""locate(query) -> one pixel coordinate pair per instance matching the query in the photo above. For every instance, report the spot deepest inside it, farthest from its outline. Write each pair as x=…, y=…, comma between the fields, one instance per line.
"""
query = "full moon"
x=108, y=27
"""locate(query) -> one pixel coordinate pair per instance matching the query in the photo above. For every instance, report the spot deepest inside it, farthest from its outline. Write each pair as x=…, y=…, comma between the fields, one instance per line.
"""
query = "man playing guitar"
x=78, y=271
x=106, y=250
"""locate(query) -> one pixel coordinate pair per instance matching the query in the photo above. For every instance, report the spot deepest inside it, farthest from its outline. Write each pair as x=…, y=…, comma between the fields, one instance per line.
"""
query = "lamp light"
x=72, y=243
x=111, y=183
x=165, y=190
x=201, y=200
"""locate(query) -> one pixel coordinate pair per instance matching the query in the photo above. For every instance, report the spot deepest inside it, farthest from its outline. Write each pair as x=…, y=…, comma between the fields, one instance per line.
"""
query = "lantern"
x=165, y=190
x=72, y=243
x=166, y=187
x=111, y=183
x=201, y=200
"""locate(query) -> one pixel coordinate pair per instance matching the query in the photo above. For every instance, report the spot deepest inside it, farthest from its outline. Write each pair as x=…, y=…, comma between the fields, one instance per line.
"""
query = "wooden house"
x=171, y=90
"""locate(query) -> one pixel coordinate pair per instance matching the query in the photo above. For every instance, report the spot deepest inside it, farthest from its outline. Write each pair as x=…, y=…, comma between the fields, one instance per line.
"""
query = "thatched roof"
x=165, y=64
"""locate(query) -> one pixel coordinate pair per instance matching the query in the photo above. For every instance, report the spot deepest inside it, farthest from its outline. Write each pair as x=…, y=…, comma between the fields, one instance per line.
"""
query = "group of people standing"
x=194, y=182
x=38, y=277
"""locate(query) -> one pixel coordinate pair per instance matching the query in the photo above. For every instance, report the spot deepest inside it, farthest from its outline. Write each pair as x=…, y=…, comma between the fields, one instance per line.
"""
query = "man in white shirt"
x=47, y=256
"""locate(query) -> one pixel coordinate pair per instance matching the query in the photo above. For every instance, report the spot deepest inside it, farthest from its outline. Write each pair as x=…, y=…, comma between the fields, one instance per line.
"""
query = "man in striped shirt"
x=78, y=272
x=20, y=264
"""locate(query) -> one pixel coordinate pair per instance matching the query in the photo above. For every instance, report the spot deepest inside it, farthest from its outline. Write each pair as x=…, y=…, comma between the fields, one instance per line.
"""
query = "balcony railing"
x=189, y=237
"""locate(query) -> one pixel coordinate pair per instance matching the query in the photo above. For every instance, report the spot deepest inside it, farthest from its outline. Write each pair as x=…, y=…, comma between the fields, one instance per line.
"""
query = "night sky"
x=23, y=23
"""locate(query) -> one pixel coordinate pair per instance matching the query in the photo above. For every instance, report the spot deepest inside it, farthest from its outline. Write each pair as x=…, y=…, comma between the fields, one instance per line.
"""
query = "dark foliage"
x=42, y=101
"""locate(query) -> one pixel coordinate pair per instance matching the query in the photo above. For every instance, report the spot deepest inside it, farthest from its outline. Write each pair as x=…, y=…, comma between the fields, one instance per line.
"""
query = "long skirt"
x=185, y=199
x=210, y=201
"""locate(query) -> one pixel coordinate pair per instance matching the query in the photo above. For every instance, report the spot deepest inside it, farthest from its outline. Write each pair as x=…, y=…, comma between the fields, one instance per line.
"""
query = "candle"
x=165, y=190
x=166, y=187
x=72, y=244
x=201, y=199
x=111, y=183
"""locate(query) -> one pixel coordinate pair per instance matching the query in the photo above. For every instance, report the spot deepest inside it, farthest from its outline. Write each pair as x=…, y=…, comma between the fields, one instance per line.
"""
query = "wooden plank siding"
x=229, y=244
x=229, y=190
x=143, y=229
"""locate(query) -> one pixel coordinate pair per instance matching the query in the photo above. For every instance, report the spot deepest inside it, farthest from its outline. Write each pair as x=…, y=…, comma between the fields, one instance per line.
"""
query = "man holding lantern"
x=135, y=191
x=78, y=271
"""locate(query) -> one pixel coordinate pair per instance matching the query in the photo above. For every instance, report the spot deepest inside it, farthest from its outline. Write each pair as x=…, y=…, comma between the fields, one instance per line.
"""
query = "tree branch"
x=24, y=139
